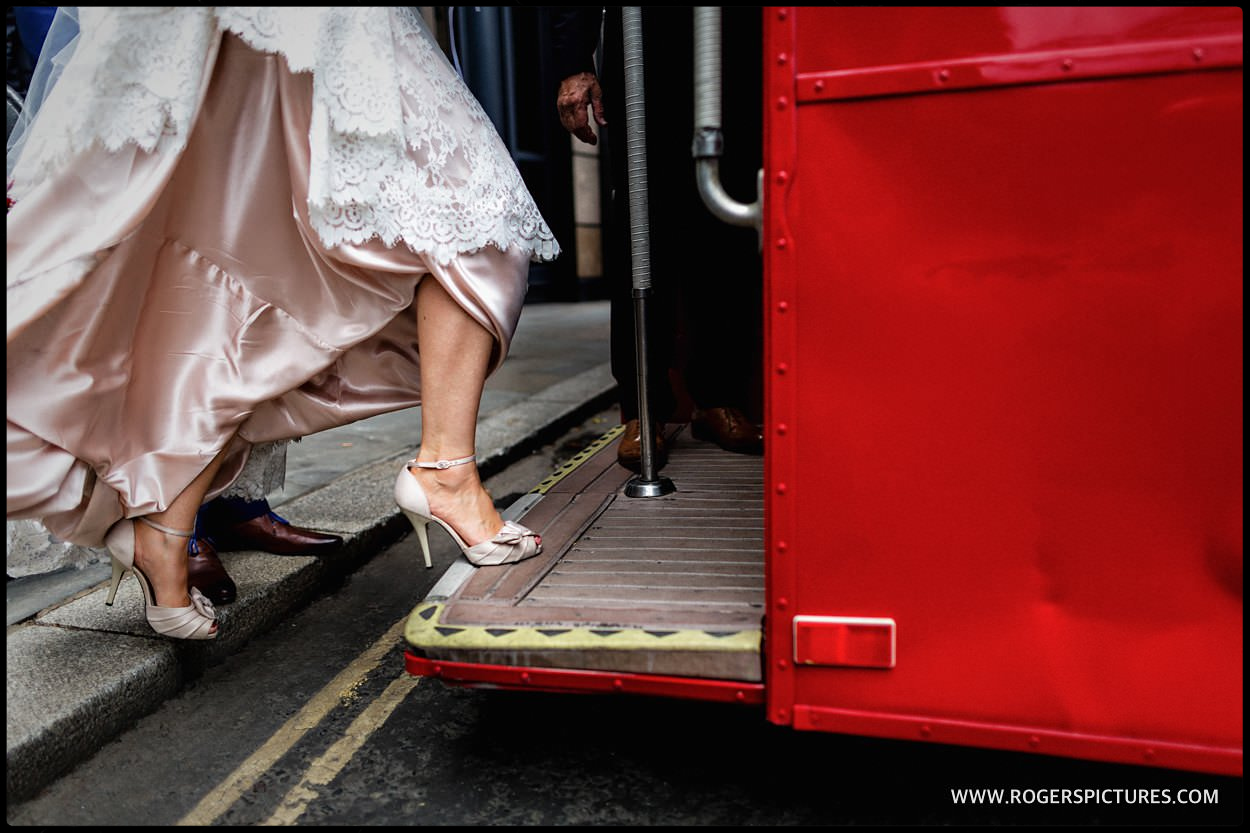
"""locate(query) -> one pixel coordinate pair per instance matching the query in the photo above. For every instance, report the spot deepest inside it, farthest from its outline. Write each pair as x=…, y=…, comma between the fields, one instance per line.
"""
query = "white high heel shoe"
x=195, y=621
x=512, y=543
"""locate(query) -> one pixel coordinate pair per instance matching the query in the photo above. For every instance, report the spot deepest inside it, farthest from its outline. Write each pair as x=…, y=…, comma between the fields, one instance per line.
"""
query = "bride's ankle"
x=452, y=479
x=163, y=559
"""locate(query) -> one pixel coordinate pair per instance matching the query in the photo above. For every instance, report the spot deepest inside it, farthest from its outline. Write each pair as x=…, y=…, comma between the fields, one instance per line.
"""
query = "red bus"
x=1001, y=501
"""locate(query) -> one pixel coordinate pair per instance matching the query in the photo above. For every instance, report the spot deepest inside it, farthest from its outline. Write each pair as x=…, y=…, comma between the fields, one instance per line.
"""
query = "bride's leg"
x=163, y=557
x=455, y=353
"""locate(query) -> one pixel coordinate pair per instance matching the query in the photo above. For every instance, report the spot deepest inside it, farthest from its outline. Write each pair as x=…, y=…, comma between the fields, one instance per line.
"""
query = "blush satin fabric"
x=179, y=300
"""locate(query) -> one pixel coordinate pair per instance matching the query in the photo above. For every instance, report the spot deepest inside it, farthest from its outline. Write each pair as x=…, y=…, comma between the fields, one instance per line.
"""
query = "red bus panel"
x=1003, y=259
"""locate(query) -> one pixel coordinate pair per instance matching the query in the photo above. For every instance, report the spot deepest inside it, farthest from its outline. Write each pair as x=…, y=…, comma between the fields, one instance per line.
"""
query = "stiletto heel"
x=512, y=543
x=197, y=620
x=422, y=526
x=119, y=571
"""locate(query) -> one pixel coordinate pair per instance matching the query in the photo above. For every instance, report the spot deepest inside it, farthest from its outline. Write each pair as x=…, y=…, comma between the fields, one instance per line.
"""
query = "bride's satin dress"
x=165, y=305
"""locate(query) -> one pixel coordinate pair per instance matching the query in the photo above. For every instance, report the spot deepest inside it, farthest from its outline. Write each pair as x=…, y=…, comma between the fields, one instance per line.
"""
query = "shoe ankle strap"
x=180, y=533
x=443, y=464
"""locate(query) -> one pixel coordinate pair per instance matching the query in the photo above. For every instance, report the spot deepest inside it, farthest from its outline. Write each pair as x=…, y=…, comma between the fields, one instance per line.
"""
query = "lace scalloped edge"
x=543, y=249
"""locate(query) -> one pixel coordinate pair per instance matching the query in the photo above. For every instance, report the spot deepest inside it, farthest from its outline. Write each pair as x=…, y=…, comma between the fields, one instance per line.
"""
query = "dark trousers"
x=705, y=312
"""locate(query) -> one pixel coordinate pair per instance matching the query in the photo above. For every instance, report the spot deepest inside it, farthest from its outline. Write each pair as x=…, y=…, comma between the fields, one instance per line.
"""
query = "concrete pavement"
x=79, y=672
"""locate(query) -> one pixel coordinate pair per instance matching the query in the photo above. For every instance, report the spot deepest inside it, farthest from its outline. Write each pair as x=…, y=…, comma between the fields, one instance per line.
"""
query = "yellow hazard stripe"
x=425, y=629
x=576, y=460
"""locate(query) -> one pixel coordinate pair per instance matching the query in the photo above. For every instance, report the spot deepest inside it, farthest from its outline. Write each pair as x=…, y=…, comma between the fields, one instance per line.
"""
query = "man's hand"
x=578, y=94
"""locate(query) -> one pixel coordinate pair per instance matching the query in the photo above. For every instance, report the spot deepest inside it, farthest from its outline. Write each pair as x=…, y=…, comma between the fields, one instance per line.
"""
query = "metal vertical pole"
x=647, y=483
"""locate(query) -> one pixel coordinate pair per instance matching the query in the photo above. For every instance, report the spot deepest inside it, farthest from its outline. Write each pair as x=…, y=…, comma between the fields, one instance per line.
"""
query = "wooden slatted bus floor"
x=669, y=585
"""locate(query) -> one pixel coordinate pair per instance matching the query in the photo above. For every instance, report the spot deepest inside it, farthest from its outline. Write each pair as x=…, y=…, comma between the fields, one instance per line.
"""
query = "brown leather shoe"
x=629, y=451
x=729, y=428
x=271, y=533
x=206, y=573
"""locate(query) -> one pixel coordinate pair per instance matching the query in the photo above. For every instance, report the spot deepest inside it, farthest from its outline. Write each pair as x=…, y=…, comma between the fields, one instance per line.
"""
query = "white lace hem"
x=400, y=149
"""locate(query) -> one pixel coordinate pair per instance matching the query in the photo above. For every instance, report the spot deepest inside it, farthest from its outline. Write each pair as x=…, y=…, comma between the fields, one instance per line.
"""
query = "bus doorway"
x=1000, y=503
